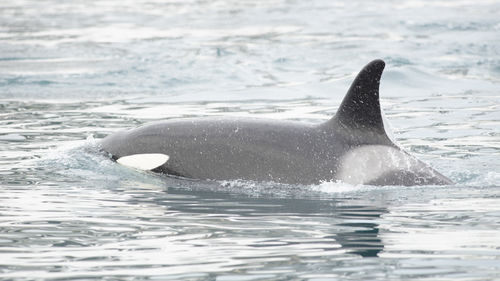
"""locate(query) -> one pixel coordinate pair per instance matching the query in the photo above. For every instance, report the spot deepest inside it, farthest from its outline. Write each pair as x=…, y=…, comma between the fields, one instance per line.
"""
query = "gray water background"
x=73, y=72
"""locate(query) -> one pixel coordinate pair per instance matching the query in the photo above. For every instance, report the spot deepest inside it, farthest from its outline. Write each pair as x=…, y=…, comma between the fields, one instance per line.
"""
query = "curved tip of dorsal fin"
x=360, y=108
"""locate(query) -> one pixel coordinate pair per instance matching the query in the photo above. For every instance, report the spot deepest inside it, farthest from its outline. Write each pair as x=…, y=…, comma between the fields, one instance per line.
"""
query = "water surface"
x=72, y=73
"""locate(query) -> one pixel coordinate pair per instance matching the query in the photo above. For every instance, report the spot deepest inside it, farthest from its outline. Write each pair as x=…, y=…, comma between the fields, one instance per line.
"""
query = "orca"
x=352, y=147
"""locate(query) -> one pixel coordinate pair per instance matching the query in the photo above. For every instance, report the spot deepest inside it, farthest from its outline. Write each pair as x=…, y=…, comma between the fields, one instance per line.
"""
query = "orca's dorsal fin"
x=360, y=109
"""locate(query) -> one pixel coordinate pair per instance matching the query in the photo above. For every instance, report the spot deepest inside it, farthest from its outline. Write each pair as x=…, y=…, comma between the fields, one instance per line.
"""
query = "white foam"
x=338, y=187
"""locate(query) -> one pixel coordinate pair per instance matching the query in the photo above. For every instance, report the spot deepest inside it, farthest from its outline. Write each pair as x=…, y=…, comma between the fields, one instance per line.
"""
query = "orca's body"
x=352, y=147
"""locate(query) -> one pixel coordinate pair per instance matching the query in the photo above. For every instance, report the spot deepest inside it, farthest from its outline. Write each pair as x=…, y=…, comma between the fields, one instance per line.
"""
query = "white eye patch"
x=145, y=162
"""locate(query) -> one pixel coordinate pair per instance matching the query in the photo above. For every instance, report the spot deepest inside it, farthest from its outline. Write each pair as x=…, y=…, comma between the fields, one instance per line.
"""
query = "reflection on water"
x=364, y=241
x=356, y=231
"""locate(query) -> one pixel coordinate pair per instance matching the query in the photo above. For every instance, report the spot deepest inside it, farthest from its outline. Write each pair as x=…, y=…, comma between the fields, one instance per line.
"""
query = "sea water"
x=72, y=72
